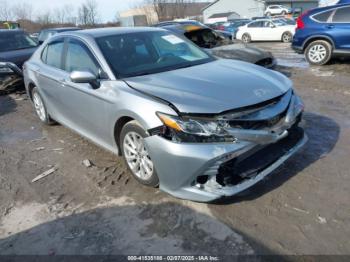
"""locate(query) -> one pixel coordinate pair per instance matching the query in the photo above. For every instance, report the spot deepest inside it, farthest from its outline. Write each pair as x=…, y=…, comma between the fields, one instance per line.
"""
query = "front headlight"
x=5, y=69
x=194, y=130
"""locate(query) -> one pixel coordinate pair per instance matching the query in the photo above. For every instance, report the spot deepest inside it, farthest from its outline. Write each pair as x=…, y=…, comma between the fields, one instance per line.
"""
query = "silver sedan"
x=198, y=127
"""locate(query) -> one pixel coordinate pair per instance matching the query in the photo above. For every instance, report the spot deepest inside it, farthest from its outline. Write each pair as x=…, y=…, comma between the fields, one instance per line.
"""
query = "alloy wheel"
x=137, y=156
x=39, y=106
x=287, y=38
x=317, y=53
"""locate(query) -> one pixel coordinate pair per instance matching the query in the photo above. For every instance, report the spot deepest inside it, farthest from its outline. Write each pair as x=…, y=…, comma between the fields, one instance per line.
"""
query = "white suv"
x=276, y=10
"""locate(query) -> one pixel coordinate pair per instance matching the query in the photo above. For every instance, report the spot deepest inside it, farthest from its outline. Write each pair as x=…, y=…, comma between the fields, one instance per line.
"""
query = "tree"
x=23, y=11
x=5, y=11
x=88, y=13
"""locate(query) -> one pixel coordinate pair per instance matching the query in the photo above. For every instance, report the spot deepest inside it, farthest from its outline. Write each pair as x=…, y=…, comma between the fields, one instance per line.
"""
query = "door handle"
x=330, y=26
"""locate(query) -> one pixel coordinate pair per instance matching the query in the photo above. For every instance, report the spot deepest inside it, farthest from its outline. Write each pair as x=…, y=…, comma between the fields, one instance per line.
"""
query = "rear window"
x=342, y=15
x=16, y=41
x=323, y=17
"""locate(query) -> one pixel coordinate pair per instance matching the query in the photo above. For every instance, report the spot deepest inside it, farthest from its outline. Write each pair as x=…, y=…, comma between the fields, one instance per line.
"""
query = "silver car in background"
x=198, y=127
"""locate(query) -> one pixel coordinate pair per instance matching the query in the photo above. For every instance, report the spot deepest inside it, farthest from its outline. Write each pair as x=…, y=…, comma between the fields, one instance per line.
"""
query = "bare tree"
x=88, y=13
x=45, y=18
x=5, y=11
x=23, y=11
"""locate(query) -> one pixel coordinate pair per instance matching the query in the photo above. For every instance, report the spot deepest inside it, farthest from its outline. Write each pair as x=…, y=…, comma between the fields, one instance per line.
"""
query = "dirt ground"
x=302, y=208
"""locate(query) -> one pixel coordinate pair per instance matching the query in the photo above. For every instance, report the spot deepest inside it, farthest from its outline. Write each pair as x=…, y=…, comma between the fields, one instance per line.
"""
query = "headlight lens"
x=5, y=69
x=194, y=130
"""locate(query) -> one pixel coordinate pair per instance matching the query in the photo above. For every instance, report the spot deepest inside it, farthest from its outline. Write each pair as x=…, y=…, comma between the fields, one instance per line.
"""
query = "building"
x=222, y=17
x=166, y=11
x=251, y=8
x=302, y=5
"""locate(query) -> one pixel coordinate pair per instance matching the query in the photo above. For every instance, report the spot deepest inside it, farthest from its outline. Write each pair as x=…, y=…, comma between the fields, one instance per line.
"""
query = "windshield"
x=15, y=41
x=145, y=53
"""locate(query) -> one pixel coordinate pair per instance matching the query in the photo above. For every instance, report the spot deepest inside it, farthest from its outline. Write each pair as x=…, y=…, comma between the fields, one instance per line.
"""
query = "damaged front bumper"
x=11, y=77
x=208, y=171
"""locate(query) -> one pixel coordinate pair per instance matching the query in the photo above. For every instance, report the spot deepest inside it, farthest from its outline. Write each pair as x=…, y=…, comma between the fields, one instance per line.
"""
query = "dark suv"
x=16, y=47
x=323, y=33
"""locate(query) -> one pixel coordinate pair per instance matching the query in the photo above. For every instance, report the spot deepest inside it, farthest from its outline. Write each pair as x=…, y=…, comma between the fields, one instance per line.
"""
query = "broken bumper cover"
x=11, y=77
x=180, y=165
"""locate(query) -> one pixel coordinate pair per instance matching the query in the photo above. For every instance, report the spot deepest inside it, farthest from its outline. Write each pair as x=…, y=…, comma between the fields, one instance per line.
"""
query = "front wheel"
x=136, y=154
x=40, y=107
x=318, y=52
x=283, y=13
x=287, y=37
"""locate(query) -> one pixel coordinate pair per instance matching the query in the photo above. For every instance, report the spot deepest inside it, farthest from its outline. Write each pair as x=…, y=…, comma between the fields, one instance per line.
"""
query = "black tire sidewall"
x=328, y=48
x=134, y=126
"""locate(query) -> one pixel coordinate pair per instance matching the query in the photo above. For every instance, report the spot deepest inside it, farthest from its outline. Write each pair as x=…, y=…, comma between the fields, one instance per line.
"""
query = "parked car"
x=220, y=46
x=200, y=128
x=232, y=26
x=277, y=10
x=178, y=22
x=323, y=33
x=266, y=30
x=46, y=33
x=15, y=48
x=217, y=26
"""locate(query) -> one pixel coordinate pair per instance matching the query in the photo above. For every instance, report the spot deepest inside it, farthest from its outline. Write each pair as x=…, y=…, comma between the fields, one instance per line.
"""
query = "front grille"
x=251, y=164
x=259, y=124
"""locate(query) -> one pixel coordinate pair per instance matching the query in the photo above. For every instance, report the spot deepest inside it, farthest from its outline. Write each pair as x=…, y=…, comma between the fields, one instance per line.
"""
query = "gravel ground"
x=302, y=208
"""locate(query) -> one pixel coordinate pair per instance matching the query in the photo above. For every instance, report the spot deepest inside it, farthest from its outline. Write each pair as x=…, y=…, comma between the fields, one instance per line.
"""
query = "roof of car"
x=100, y=32
x=11, y=31
x=62, y=29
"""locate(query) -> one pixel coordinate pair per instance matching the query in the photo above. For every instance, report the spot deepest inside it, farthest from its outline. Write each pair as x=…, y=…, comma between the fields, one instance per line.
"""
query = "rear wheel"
x=40, y=107
x=136, y=154
x=283, y=13
x=318, y=52
x=268, y=14
x=246, y=38
x=287, y=37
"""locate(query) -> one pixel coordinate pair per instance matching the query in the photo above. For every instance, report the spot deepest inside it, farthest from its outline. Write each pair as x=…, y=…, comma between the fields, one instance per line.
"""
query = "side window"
x=54, y=54
x=79, y=58
x=342, y=15
x=255, y=24
x=323, y=17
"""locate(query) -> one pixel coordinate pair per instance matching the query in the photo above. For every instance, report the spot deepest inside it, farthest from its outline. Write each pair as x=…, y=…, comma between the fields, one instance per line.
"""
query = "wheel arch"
x=311, y=39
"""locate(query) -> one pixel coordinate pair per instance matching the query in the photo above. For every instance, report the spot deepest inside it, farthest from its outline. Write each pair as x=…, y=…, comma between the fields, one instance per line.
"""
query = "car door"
x=254, y=29
x=85, y=109
x=340, y=28
x=49, y=76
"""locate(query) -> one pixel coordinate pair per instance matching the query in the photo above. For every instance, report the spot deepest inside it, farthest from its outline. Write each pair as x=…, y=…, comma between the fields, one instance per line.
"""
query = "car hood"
x=213, y=87
x=17, y=57
x=240, y=52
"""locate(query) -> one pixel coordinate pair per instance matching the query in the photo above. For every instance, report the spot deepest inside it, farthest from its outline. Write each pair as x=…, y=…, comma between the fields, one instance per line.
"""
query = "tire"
x=318, y=52
x=283, y=13
x=287, y=37
x=136, y=156
x=40, y=108
x=268, y=14
x=246, y=38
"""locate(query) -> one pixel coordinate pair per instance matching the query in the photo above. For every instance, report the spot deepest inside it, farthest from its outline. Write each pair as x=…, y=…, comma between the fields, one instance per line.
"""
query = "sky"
x=107, y=8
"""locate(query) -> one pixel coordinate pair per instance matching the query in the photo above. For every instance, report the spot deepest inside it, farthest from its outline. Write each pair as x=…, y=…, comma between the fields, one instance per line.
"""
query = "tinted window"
x=342, y=15
x=15, y=41
x=149, y=52
x=256, y=24
x=79, y=58
x=54, y=54
x=323, y=17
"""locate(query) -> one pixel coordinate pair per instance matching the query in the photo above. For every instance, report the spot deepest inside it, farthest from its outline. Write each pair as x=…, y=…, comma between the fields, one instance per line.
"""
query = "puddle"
x=298, y=63
x=13, y=137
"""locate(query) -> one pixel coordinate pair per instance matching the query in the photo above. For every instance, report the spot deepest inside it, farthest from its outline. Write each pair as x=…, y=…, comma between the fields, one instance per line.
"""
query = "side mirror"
x=84, y=77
